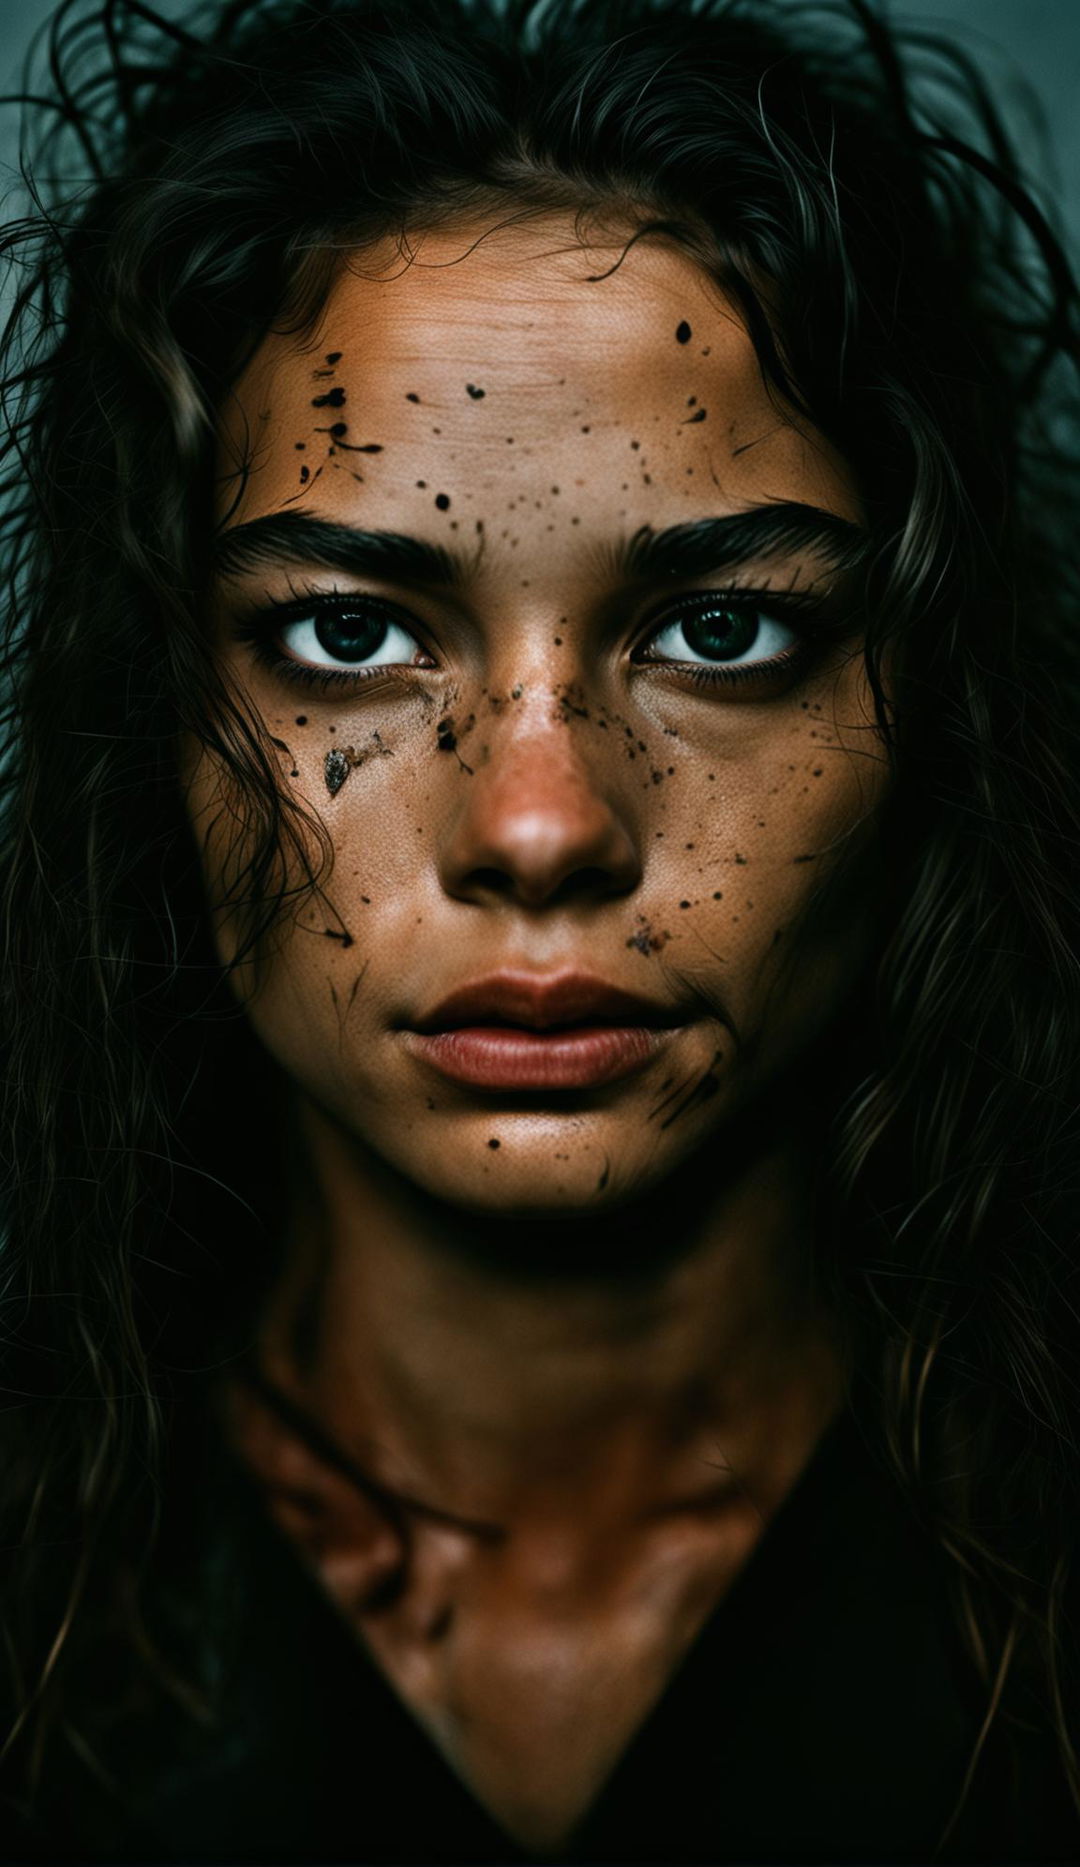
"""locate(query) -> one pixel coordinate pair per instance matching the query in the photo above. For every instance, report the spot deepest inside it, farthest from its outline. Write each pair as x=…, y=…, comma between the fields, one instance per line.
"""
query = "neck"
x=502, y=1367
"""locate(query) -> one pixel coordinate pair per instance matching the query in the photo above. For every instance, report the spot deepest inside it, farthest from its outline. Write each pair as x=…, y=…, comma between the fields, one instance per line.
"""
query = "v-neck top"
x=825, y=1713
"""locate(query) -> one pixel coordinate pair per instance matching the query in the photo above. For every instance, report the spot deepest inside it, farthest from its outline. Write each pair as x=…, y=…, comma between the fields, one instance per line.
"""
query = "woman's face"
x=523, y=582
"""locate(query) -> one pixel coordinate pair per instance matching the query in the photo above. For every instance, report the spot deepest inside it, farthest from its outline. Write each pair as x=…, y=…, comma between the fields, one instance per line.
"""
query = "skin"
x=555, y=1345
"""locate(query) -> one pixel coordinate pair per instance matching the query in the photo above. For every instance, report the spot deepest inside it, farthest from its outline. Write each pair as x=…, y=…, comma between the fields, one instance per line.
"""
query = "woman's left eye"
x=716, y=632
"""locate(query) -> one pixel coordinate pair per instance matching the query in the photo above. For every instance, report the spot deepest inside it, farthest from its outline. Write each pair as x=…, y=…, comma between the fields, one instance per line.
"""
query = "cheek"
x=782, y=898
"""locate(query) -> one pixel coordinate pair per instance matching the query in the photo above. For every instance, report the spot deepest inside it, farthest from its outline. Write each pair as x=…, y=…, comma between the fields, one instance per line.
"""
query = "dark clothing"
x=826, y=1713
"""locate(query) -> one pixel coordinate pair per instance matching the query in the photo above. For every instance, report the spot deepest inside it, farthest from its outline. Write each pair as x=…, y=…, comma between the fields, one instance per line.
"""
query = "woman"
x=540, y=970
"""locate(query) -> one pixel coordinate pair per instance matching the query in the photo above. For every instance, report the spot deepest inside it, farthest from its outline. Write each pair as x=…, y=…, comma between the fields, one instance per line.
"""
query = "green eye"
x=718, y=632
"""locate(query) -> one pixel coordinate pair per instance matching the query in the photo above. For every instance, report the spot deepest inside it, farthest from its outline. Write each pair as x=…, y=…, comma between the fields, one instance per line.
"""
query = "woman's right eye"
x=362, y=633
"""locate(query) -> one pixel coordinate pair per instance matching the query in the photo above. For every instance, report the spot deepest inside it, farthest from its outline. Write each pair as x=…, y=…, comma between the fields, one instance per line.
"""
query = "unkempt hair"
x=190, y=188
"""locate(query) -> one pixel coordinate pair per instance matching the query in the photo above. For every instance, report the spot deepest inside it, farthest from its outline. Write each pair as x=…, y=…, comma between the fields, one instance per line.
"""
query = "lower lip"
x=501, y=1057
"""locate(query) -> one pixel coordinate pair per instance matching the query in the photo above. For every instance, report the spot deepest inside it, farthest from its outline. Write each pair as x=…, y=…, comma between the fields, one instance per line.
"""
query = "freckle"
x=301, y=445
x=411, y=396
x=575, y=521
x=305, y=475
x=558, y=641
x=333, y=356
x=817, y=774
x=479, y=525
x=683, y=333
x=301, y=719
x=476, y=394
x=647, y=479
x=339, y=428
x=294, y=773
x=442, y=500
x=671, y=771
x=691, y=401
x=334, y=398
x=554, y=489
x=493, y=1142
x=684, y=904
x=689, y=845
x=636, y=445
x=421, y=484
x=718, y=896
x=509, y=440
x=366, y=899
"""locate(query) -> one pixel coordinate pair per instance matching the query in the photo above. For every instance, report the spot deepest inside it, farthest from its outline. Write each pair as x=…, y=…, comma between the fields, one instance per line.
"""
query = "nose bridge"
x=538, y=808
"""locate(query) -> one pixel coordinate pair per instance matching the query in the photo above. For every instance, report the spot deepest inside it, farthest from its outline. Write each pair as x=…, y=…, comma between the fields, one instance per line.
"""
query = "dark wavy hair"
x=857, y=193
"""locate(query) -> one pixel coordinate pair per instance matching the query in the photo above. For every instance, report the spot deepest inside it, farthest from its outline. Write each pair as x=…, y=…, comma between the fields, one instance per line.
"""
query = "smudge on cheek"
x=340, y=760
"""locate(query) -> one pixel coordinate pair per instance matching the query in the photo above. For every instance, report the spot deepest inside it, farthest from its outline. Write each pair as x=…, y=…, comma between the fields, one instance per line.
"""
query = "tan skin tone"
x=589, y=1451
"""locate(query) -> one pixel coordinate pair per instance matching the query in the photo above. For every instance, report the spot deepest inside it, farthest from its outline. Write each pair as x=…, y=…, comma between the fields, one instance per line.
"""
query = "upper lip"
x=542, y=1004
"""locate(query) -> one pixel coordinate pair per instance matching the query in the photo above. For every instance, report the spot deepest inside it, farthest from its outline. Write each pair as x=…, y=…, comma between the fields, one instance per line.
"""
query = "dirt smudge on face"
x=644, y=940
x=447, y=735
x=340, y=760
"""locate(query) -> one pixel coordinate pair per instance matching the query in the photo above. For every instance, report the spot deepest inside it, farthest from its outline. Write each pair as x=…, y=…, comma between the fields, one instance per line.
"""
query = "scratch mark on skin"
x=747, y=445
x=342, y=1012
x=703, y=1090
x=355, y=987
x=672, y=1096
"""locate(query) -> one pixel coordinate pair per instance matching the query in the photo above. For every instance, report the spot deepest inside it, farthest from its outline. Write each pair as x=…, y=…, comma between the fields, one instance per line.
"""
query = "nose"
x=536, y=825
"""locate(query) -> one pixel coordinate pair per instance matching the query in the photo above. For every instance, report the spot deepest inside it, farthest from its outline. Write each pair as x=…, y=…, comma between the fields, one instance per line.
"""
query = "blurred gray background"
x=1012, y=40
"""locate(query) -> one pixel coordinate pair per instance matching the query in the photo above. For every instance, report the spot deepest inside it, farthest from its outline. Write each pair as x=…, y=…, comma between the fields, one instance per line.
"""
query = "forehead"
x=517, y=357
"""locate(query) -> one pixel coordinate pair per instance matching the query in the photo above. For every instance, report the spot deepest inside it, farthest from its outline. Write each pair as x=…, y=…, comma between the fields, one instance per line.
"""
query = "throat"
x=531, y=1658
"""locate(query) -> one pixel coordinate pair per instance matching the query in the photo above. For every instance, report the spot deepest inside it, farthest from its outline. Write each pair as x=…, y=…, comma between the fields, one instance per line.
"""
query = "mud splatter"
x=340, y=760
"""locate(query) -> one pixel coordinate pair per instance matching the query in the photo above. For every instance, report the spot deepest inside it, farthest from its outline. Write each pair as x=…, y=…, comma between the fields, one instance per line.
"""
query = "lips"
x=518, y=1031
x=536, y=1004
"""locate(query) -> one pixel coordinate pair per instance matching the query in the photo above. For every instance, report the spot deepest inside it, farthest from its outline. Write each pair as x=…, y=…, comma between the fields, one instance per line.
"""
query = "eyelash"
x=259, y=628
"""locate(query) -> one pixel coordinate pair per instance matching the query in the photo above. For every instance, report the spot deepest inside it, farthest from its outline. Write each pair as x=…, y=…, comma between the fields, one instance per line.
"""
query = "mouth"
x=522, y=1031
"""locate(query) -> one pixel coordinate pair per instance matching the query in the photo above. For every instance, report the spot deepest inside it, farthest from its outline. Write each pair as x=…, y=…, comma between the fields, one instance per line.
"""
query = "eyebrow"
x=687, y=550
